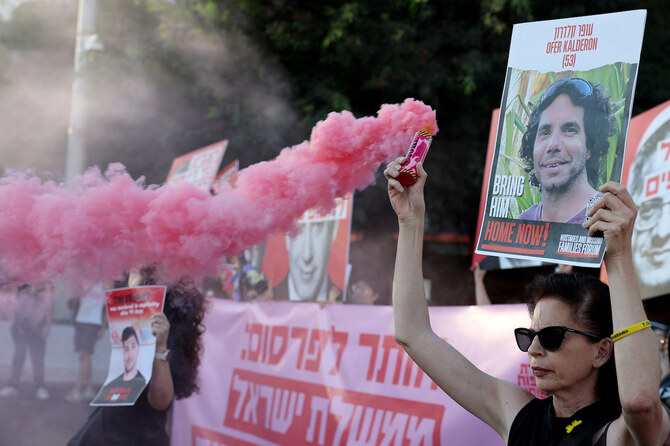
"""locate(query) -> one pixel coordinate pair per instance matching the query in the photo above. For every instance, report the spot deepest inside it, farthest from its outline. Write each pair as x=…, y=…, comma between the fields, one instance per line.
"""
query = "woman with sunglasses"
x=569, y=353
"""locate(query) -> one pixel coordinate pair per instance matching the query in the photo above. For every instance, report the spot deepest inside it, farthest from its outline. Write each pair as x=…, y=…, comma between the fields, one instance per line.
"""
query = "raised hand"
x=407, y=202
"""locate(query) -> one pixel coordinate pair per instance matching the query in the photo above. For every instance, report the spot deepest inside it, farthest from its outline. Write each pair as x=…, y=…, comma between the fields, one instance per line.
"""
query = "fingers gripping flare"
x=391, y=173
x=407, y=202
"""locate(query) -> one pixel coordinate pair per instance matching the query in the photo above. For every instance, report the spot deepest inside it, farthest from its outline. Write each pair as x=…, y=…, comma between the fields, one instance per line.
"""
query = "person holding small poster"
x=588, y=345
x=177, y=331
x=90, y=324
x=30, y=326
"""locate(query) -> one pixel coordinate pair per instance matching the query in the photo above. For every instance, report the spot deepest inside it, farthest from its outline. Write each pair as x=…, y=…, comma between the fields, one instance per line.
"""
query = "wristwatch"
x=165, y=356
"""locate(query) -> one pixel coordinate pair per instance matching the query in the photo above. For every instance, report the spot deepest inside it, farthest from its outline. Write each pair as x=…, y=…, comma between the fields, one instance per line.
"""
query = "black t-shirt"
x=138, y=425
x=122, y=392
x=536, y=424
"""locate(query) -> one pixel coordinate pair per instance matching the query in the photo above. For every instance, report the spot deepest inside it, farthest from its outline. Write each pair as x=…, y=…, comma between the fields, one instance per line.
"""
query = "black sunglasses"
x=550, y=337
x=580, y=85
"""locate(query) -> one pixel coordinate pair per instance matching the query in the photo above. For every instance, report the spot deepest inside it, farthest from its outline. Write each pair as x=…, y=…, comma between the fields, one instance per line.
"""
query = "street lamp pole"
x=86, y=40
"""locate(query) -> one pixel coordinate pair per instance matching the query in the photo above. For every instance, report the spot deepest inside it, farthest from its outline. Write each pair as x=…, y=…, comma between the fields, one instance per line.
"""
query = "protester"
x=89, y=327
x=255, y=288
x=571, y=352
x=362, y=293
x=662, y=332
x=252, y=285
x=30, y=325
x=481, y=296
x=369, y=278
x=664, y=388
x=178, y=334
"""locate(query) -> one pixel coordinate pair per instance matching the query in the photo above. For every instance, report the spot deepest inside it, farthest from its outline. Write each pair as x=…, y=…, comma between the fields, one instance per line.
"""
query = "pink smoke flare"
x=102, y=225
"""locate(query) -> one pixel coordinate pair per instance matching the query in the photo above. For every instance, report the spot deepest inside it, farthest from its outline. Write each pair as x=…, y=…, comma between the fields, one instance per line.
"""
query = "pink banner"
x=298, y=374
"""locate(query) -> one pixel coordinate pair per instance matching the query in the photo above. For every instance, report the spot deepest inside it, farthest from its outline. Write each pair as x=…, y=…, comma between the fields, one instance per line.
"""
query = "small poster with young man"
x=561, y=135
x=133, y=345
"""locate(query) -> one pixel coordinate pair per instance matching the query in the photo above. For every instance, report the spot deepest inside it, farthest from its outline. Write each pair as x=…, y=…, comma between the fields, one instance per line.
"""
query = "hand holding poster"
x=561, y=135
x=133, y=345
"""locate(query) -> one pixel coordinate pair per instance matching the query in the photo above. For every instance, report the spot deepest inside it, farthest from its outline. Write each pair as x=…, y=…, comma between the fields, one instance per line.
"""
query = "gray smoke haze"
x=165, y=84
x=181, y=85
x=36, y=50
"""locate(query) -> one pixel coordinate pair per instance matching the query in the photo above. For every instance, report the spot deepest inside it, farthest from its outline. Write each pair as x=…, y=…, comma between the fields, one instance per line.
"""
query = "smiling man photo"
x=566, y=137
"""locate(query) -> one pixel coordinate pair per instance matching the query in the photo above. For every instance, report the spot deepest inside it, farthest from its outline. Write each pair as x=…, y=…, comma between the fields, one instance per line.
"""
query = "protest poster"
x=226, y=177
x=561, y=134
x=129, y=312
x=646, y=173
x=198, y=167
x=289, y=373
x=312, y=263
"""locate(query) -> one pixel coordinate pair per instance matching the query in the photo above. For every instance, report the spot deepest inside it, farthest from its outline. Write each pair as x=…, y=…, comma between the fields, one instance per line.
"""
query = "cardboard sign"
x=561, y=135
x=198, y=167
x=133, y=346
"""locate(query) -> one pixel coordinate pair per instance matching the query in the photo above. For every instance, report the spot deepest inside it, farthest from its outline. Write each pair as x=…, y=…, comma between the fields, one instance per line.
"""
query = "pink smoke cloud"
x=102, y=225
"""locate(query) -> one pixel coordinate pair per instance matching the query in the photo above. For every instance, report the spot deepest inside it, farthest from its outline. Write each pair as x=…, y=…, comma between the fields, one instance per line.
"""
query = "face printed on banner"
x=131, y=349
x=560, y=152
x=309, y=253
x=651, y=236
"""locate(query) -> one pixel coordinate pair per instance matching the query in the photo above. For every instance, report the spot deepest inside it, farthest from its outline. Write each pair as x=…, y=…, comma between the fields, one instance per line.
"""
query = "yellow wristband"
x=630, y=330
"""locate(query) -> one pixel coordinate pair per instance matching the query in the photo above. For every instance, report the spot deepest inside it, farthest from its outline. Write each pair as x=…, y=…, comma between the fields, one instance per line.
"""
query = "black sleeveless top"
x=536, y=424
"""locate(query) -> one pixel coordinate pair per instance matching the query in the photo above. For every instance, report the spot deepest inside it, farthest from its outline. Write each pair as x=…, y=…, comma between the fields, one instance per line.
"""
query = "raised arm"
x=644, y=422
x=161, y=387
x=494, y=401
x=481, y=296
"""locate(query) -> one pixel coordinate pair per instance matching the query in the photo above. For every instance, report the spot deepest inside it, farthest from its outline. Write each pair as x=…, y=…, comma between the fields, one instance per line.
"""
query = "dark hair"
x=599, y=125
x=185, y=308
x=252, y=280
x=589, y=302
x=127, y=333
